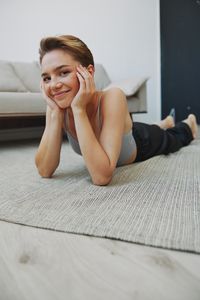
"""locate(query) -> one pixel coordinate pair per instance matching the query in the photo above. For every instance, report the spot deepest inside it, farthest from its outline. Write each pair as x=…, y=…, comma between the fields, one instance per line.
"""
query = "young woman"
x=98, y=124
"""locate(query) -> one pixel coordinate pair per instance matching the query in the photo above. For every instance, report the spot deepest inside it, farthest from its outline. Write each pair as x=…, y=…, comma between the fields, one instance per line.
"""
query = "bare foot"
x=168, y=122
x=192, y=122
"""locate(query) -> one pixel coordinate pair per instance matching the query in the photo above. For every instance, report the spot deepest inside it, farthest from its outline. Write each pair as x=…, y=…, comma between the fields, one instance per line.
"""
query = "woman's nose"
x=56, y=84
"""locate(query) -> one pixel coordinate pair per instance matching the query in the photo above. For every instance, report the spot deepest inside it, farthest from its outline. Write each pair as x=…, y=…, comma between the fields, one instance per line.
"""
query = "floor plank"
x=44, y=264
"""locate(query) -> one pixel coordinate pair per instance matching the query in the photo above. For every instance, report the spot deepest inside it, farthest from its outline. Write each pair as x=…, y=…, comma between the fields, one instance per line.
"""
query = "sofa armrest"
x=135, y=90
x=141, y=96
x=129, y=86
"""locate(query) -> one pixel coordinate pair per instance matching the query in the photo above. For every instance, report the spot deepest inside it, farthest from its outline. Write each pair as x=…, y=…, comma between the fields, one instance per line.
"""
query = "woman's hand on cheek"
x=51, y=103
x=86, y=89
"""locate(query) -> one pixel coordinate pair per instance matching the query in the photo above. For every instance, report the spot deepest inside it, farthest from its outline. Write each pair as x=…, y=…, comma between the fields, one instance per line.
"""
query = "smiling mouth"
x=59, y=94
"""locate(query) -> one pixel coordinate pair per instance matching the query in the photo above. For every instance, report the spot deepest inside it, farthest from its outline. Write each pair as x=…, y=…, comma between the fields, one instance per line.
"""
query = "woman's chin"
x=63, y=104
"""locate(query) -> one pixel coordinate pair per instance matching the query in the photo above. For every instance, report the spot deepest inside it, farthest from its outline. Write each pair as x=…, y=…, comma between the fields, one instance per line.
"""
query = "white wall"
x=122, y=34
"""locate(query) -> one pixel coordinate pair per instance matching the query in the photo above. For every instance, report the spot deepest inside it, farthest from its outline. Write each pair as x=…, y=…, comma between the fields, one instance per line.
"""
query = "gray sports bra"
x=127, y=148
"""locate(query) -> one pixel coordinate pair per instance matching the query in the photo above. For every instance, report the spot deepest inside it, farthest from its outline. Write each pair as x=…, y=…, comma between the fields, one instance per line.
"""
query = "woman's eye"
x=64, y=73
x=46, y=79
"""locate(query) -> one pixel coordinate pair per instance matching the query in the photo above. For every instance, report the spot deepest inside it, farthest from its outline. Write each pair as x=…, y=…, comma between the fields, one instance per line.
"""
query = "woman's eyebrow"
x=56, y=69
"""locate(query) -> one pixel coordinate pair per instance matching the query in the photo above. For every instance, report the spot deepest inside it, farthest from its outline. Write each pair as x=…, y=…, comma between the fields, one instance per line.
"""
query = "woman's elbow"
x=103, y=177
x=43, y=172
x=101, y=181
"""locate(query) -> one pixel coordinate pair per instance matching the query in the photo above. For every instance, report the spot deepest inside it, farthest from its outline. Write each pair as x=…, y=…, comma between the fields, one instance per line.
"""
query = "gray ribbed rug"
x=156, y=202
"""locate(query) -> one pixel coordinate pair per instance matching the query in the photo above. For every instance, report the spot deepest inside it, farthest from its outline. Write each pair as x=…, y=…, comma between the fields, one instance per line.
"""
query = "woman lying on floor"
x=97, y=123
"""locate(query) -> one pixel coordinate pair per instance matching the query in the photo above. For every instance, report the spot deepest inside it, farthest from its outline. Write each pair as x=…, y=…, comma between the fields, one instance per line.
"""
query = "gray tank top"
x=128, y=141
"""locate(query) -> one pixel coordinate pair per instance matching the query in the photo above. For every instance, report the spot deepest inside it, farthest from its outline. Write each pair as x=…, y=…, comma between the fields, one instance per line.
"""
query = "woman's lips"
x=60, y=94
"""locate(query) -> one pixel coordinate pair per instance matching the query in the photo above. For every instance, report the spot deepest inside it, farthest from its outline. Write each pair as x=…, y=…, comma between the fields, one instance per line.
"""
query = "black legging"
x=151, y=140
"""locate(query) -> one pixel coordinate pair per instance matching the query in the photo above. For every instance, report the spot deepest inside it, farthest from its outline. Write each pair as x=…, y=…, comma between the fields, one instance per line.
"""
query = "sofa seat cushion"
x=24, y=103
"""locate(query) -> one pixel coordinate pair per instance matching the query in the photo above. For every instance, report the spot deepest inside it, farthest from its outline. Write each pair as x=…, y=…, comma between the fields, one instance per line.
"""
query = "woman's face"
x=59, y=79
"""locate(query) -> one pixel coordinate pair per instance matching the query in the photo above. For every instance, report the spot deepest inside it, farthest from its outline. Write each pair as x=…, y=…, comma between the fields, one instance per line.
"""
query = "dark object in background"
x=180, y=57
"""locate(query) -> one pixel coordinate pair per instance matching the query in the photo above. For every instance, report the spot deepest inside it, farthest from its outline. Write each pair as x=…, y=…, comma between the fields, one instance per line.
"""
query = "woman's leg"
x=166, y=123
x=159, y=139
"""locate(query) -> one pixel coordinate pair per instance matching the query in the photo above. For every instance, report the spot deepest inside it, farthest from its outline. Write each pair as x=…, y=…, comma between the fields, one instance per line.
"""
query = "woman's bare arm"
x=101, y=155
x=48, y=155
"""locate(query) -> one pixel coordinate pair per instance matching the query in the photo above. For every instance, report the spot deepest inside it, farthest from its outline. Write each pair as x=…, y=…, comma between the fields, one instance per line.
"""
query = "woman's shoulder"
x=113, y=99
x=112, y=96
x=113, y=91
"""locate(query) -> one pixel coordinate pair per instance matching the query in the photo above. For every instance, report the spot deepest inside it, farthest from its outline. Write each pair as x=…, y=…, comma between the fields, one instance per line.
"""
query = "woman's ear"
x=91, y=69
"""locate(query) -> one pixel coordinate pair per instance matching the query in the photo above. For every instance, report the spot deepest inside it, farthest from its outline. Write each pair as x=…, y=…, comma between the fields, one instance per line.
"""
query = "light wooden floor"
x=48, y=265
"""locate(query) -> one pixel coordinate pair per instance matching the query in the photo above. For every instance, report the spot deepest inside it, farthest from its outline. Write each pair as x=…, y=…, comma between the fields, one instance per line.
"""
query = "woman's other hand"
x=53, y=112
x=87, y=87
x=51, y=103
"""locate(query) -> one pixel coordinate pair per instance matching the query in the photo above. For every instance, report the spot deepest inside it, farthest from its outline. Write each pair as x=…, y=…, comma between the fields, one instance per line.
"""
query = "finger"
x=90, y=78
x=86, y=76
x=51, y=103
x=48, y=100
x=85, y=72
x=81, y=80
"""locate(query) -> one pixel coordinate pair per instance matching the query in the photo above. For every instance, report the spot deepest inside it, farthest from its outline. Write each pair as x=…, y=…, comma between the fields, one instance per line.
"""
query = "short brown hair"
x=69, y=43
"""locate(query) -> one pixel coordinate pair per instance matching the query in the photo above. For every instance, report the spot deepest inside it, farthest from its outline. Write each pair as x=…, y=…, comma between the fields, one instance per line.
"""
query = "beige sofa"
x=22, y=108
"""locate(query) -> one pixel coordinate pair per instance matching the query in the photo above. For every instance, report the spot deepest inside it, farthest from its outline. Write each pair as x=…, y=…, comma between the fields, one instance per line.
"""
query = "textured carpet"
x=156, y=202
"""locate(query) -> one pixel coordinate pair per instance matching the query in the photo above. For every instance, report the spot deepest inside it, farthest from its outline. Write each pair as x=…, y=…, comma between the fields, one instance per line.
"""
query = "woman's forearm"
x=96, y=159
x=48, y=155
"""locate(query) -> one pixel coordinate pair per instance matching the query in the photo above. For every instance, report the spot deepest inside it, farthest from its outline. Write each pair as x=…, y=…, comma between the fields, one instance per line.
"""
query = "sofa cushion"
x=29, y=74
x=101, y=77
x=9, y=82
